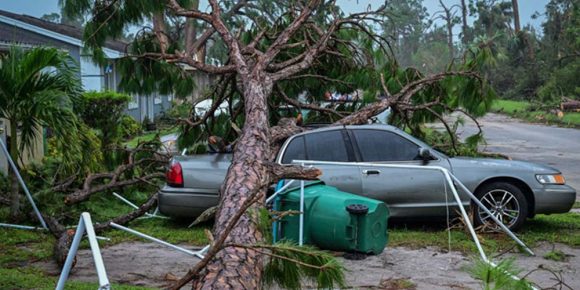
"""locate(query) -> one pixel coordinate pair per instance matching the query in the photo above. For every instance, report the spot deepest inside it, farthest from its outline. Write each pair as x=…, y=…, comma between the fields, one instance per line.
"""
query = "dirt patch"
x=134, y=263
x=152, y=265
x=569, y=268
x=426, y=268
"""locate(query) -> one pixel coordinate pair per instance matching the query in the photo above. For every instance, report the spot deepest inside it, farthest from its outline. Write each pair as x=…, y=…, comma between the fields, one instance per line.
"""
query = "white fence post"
x=85, y=225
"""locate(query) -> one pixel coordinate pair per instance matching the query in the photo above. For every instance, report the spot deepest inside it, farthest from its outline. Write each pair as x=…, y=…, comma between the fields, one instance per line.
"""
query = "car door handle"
x=372, y=171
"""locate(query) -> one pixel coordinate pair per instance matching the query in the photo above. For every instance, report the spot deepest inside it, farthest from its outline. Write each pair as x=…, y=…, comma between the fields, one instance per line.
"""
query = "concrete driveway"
x=551, y=145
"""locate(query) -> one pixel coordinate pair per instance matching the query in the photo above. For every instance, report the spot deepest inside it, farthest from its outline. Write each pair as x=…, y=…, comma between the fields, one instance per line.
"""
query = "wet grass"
x=21, y=248
x=520, y=110
x=150, y=136
x=32, y=278
x=557, y=228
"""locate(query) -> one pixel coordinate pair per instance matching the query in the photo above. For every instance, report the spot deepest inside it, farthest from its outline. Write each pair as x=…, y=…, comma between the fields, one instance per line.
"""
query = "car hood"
x=464, y=162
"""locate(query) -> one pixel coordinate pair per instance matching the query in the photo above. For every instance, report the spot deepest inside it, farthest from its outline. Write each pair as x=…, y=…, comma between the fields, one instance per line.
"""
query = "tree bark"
x=14, y=186
x=450, y=37
x=516, y=10
x=449, y=24
x=465, y=29
x=248, y=172
x=191, y=32
x=160, y=31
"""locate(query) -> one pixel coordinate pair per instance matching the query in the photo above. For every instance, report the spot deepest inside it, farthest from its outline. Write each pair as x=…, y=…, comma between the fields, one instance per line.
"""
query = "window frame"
x=358, y=154
x=347, y=141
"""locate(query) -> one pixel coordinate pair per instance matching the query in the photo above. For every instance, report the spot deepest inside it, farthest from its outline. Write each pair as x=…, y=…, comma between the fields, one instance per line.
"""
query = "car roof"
x=332, y=127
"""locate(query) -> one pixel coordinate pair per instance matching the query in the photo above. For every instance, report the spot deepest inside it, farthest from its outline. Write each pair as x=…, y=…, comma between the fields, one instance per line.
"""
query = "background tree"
x=38, y=89
x=403, y=26
x=52, y=17
x=449, y=16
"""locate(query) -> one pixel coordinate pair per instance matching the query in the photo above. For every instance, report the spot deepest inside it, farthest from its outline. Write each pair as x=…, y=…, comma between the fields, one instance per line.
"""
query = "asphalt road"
x=551, y=145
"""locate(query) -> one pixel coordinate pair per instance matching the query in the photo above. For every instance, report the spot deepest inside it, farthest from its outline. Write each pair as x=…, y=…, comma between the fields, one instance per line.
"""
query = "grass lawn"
x=20, y=248
x=149, y=136
x=519, y=109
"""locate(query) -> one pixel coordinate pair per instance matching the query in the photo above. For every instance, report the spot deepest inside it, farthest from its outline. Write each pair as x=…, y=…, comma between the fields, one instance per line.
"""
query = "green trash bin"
x=334, y=220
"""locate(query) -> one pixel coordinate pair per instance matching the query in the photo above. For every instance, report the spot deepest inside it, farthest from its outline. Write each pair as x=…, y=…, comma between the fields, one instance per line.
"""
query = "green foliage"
x=103, y=111
x=33, y=278
x=499, y=277
x=129, y=127
x=138, y=75
x=563, y=82
x=39, y=89
x=556, y=255
x=180, y=110
x=535, y=113
x=289, y=265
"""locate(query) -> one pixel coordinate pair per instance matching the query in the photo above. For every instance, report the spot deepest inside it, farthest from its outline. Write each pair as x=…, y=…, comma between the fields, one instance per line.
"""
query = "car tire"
x=506, y=201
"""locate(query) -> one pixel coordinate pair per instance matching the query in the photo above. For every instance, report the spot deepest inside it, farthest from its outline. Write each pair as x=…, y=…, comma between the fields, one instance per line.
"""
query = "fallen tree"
x=285, y=47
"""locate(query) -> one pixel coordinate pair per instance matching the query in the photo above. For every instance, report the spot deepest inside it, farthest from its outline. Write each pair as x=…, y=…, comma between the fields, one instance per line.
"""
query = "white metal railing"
x=198, y=254
x=148, y=215
x=85, y=225
x=24, y=187
x=449, y=178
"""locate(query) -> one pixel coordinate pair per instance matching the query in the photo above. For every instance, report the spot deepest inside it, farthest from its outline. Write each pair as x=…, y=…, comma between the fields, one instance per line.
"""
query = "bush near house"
x=129, y=127
x=103, y=111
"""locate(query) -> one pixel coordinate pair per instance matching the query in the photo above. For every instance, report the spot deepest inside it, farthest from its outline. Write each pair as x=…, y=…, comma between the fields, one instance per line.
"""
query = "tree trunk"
x=160, y=31
x=191, y=31
x=15, y=187
x=449, y=24
x=465, y=28
x=517, y=26
x=450, y=37
x=248, y=173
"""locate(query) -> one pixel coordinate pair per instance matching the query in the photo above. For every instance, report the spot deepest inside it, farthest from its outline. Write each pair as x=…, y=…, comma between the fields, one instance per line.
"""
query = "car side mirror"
x=425, y=154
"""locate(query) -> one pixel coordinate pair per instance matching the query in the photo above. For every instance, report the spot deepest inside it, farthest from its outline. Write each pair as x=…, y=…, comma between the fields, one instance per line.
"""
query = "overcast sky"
x=527, y=7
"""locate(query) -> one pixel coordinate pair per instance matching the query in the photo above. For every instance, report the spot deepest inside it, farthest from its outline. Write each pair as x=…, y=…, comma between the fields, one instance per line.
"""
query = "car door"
x=327, y=145
x=407, y=192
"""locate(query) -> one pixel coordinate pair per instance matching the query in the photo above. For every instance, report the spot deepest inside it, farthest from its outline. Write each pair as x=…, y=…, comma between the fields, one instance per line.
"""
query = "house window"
x=134, y=103
x=157, y=100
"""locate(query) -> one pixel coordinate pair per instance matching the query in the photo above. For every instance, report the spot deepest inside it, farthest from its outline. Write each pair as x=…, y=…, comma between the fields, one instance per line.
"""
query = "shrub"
x=103, y=111
x=129, y=127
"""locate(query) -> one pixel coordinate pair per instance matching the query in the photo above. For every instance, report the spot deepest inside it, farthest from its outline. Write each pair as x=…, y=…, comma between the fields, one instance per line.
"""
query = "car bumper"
x=185, y=202
x=554, y=199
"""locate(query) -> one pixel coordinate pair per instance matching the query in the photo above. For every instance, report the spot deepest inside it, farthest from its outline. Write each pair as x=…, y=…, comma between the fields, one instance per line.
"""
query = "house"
x=28, y=31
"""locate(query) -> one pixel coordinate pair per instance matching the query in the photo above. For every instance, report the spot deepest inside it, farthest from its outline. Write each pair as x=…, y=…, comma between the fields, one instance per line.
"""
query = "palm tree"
x=37, y=90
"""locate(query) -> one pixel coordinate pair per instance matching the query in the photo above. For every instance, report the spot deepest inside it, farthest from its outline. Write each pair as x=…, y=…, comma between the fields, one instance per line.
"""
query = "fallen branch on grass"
x=117, y=178
x=64, y=237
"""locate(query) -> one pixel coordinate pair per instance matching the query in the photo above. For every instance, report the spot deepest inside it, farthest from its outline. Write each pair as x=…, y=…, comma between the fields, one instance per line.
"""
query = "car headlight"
x=551, y=178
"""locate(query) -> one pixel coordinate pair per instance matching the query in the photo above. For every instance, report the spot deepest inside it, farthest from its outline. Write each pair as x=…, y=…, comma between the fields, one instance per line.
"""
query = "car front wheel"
x=505, y=201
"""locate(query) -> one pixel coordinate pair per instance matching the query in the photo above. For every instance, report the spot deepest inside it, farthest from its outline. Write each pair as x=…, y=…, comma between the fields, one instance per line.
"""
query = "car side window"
x=295, y=151
x=378, y=145
x=326, y=146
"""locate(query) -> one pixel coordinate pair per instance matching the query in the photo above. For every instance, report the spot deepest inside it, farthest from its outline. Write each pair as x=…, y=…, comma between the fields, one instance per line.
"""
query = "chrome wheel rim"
x=503, y=205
